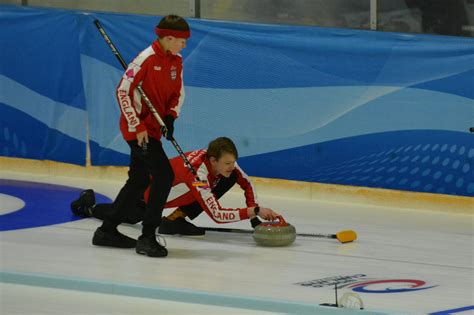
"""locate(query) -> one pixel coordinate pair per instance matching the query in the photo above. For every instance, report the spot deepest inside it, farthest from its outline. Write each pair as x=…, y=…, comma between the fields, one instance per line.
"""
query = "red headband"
x=162, y=32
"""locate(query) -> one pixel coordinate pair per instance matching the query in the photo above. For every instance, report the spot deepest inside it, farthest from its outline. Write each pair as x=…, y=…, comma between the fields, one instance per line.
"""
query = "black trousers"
x=103, y=210
x=137, y=213
x=154, y=163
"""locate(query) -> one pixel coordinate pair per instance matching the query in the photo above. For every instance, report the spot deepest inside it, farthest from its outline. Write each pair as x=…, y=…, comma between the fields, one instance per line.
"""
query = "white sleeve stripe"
x=182, y=94
x=137, y=100
x=218, y=214
x=206, y=194
x=177, y=191
x=126, y=106
x=143, y=56
x=202, y=172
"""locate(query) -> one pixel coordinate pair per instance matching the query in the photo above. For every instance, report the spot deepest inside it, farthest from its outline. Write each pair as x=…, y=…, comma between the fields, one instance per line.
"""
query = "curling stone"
x=275, y=233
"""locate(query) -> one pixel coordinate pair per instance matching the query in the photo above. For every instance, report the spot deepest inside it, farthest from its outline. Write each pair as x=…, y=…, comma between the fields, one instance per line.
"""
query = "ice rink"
x=404, y=261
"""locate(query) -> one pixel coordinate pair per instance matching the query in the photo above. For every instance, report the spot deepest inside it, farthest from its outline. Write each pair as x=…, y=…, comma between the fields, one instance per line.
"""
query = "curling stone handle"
x=280, y=218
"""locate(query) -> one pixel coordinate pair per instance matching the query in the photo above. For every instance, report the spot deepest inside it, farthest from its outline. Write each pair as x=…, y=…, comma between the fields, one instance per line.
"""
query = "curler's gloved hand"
x=169, y=123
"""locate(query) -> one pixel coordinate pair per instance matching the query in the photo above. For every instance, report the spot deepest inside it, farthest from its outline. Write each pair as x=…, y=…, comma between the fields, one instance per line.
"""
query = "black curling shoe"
x=113, y=239
x=150, y=247
x=179, y=226
x=81, y=207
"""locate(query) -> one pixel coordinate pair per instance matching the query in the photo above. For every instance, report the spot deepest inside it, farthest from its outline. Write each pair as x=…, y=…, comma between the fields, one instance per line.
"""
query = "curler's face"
x=175, y=44
x=223, y=166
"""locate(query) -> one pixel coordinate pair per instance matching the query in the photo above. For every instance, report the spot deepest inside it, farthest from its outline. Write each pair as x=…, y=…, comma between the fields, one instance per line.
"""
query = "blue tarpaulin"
x=339, y=106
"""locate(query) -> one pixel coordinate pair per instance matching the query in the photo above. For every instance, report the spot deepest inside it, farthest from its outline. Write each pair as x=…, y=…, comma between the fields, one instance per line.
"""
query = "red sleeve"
x=127, y=95
x=249, y=190
x=210, y=204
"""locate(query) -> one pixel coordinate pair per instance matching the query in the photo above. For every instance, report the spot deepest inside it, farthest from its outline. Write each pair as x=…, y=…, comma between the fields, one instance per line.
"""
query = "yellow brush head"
x=200, y=184
x=346, y=236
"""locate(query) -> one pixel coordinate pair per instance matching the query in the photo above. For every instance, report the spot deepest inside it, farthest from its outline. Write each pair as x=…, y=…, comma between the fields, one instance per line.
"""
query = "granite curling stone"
x=275, y=233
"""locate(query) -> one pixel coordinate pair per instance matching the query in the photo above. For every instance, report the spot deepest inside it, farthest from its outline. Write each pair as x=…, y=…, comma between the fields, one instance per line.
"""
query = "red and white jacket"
x=183, y=192
x=160, y=75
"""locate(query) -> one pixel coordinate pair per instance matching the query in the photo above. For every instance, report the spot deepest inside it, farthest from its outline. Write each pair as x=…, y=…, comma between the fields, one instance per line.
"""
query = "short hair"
x=221, y=145
x=173, y=22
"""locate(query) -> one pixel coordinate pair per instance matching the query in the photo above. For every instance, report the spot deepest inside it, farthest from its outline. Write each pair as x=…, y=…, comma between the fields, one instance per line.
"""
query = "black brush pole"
x=244, y=231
